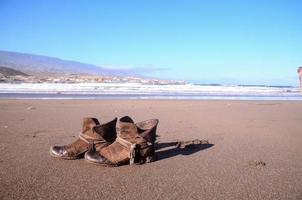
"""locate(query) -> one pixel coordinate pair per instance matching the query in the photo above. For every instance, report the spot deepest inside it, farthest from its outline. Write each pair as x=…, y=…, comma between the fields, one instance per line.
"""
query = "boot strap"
x=128, y=145
x=132, y=154
x=131, y=147
x=123, y=142
x=86, y=139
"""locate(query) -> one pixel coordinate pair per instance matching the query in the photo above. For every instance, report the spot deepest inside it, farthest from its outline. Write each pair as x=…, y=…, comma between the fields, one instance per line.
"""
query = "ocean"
x=146, y=91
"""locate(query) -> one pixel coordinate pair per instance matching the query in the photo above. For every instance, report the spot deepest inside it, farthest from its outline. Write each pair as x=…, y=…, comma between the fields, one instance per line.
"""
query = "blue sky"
x=228, y=42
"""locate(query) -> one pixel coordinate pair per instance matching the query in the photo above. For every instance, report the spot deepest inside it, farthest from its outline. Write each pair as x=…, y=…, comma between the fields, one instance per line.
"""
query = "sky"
x=226, y=42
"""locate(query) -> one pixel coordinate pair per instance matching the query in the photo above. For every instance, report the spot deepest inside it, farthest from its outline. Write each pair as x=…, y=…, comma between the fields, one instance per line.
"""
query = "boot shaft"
x=107, y=130
x=127, y=130
x=89, y=123
x=147, y=129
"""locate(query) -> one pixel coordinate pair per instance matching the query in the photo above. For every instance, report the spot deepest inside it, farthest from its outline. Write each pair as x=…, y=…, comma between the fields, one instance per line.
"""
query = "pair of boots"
x=112, y=144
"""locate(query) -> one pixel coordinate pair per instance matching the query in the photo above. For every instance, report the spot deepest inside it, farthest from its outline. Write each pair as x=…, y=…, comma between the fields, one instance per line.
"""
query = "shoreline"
x=147, y=91
x=83, y=96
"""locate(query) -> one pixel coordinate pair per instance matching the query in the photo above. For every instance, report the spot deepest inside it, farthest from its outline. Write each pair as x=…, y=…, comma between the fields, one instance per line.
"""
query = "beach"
x=255, y=152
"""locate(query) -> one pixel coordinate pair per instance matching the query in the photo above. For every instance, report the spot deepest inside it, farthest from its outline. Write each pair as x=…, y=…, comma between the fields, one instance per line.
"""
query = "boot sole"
x=66, y=158
x=99, y=164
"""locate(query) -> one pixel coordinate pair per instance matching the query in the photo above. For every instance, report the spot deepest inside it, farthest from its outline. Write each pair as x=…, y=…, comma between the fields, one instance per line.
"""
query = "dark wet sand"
x=245, y=135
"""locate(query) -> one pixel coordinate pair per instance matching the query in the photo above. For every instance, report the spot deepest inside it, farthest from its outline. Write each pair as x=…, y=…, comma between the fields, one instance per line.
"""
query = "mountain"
x=37, y=64
x=5, y=71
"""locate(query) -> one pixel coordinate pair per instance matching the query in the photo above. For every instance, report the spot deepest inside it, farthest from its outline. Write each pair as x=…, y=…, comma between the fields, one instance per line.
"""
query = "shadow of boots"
x=172, y=149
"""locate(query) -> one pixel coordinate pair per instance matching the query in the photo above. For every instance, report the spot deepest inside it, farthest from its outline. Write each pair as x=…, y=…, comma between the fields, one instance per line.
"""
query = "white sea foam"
x=137, y=89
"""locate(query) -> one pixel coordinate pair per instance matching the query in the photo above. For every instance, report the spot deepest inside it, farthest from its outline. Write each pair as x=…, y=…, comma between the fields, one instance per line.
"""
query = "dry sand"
x=257, y=151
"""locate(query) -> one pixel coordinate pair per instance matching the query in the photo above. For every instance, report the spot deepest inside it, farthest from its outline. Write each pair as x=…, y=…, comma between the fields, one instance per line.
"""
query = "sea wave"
x=149, y=90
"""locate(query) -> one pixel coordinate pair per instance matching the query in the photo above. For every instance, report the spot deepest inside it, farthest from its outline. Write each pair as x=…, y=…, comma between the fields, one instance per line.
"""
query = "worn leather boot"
x=134, y=144
x=93, y=132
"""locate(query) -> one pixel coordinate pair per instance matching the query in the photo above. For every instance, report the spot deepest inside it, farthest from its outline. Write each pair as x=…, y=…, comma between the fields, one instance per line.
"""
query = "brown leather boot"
x=100, y=135
x=134, y=144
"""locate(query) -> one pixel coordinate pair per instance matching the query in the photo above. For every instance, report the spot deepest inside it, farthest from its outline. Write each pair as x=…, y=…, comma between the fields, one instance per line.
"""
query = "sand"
x=256, y=152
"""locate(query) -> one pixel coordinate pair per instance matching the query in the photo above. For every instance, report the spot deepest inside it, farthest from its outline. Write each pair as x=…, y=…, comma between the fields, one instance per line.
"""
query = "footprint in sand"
x=257, y=163
x=31, y=108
